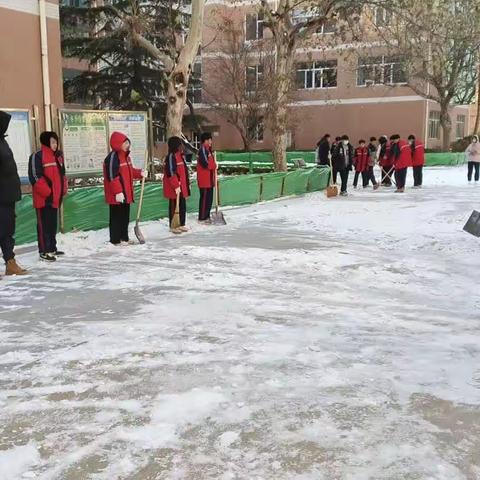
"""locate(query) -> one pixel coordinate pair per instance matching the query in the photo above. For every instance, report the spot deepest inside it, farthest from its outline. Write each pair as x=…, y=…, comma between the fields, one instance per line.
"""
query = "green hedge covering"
x=261, y=161
x=85, y=208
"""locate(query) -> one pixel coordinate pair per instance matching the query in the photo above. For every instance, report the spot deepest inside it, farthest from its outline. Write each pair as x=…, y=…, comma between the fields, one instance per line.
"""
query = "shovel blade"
x=139, y=234
x=218, y=218
x=473, y=224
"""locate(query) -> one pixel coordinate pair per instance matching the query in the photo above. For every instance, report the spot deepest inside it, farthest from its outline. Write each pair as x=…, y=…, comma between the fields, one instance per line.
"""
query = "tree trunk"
x=446, y=124
x=180, y=76
x=279, y=120
x=476, y=128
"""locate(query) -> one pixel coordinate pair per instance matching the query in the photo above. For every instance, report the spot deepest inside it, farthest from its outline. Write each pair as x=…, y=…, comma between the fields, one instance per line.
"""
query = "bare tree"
x=439, y=41
x=238, y=83
x=178, y=58
x=289, y=30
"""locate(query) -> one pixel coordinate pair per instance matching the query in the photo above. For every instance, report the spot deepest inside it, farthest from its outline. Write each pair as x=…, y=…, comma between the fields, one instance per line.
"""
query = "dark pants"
x=47, y=224
x=344, y=177
x=418, y=176
x=205, y=206
x=369, y=176
x=401, y=177
x=471, y=165
x=387, y=170
x=355, y=179
x=183, y=210
x=7, y=230
x=119, y=220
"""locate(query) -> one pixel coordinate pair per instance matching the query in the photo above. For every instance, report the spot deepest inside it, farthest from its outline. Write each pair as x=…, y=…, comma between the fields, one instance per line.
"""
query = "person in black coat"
x=323, y=150
x=10, y=193
x=342, y=162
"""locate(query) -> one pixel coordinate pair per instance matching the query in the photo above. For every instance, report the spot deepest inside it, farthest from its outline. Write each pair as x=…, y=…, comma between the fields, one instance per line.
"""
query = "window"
x=196, y=140
x=73, y=3
x=302, y=16
x=254, y=26
x=256, y=130
x=195, y=84
x=460, y=130
x=434, y=125
x=317, y=75
x=253, y=77
x=382, y=70
x=382, y=17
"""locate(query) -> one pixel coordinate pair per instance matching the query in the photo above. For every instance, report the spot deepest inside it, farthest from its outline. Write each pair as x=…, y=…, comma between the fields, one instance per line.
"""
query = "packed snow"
x=309, y=339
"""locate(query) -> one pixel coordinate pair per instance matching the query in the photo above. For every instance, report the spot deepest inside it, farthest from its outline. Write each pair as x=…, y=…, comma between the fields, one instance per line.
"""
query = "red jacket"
x=402, y=155
x=118, y=172
x=206, y=167
x=361, y=159
x=46, y=171
x=385, y=159
x=175, y=175
x=418, y=154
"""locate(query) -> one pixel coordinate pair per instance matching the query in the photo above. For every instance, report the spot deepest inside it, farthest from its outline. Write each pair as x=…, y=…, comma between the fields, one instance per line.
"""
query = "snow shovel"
x=136, y=229
x=217, y=217
x=332, y=190
x=473, y=224
x=176, y=216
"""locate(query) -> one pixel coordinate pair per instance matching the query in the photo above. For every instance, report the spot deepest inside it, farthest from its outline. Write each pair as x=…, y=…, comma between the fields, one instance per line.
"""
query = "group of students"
x=394, y=156
x=46, y=172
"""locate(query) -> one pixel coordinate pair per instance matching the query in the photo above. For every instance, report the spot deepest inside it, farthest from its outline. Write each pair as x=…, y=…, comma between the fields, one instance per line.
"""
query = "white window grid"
x=379, y=71
x=258, y=26
x=254, y=75
x=460, y=127
x=315, y=75
x=434, y=125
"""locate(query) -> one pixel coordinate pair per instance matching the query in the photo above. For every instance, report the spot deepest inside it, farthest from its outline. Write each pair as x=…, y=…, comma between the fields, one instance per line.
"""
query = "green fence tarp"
x=439, y=159
x=272, y=186
x=240, y=190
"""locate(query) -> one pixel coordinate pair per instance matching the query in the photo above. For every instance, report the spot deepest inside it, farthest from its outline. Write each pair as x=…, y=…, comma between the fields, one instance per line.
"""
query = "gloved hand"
x=120, y=197
x=144, y=173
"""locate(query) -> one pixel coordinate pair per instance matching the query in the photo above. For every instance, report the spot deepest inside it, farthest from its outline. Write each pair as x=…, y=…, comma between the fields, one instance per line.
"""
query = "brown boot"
x=13, y=268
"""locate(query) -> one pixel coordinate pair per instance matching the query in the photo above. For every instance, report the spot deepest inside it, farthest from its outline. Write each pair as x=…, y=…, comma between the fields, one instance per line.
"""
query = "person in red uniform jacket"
x=206, y=177
x=46, y=171
x=360, y=161
x=418, y=160
x=385, y=160
x=402, y=159
x=176, y=182
x=118, y=177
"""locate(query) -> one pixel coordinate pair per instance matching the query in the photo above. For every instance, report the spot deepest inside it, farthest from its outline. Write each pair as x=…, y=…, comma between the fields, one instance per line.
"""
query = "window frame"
x=379, y=67
x=434, y=125
x=317, y=70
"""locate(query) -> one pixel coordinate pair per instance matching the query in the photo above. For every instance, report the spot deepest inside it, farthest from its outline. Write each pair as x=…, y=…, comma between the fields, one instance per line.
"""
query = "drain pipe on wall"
x=45, y=66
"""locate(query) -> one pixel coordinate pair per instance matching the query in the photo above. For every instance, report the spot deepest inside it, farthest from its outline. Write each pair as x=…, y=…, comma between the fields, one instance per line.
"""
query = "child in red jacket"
x=206, y=178
x=176, y=183
x=118, y=177
x=418, y=160
x=46, y=171
x=360, y=161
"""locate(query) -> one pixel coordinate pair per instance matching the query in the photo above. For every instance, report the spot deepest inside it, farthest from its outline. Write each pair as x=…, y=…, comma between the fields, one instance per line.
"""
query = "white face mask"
x=474, y=140
x=345, y=142
x=410, y=142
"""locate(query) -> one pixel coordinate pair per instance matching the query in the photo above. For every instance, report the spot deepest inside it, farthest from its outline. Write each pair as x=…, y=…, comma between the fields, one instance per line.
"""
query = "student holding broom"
x=118, y=177
x=176, y=185
x=206, y=178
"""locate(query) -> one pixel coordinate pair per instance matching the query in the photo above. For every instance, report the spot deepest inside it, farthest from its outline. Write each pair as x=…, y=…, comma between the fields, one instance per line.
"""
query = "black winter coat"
x=323, y=151
x=342, y=156
x=10, y=190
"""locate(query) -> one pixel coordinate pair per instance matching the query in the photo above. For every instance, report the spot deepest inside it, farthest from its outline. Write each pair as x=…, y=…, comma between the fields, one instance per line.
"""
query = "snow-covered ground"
x=310, y=339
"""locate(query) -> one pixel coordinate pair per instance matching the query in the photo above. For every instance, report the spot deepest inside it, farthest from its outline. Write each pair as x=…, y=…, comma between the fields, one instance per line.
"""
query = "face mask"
x=410, y=142
x=474, y=140
x=345, y=142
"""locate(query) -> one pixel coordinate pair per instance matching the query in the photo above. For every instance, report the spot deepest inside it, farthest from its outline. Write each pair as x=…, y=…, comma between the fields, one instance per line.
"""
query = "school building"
x=342, y=87
x=30, y=57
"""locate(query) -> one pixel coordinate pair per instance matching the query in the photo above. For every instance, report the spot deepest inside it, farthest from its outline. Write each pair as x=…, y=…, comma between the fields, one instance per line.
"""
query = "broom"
x=332, y=190
x=217, y=217
x=136, y=229
x=176, y=216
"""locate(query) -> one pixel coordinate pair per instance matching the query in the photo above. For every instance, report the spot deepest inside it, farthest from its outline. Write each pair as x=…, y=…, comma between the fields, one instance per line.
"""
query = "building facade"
x=29, y=74
x=342, y=86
